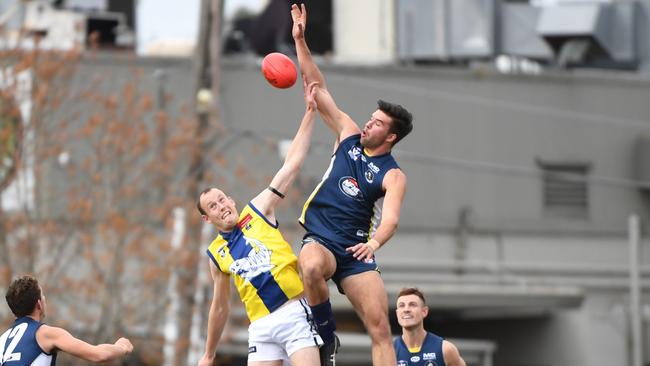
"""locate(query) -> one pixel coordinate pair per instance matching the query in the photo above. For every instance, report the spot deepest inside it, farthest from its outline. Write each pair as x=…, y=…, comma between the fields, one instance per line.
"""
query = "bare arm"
x=218, y=315
x=451, y=355
x=395, y=185
x=342, y=125
x=307, y=66
x=51, y=338
x=267, y=200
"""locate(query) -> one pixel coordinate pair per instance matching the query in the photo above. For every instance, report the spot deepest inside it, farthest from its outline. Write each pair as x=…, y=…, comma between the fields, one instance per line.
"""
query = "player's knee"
x=311, y=272
x=379, y=329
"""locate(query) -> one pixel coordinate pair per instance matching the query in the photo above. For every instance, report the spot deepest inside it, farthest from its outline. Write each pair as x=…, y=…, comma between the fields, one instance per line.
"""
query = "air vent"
x=565, y=189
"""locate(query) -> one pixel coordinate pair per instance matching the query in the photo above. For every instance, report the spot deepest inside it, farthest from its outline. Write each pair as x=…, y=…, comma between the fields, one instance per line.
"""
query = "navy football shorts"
x=346, y=264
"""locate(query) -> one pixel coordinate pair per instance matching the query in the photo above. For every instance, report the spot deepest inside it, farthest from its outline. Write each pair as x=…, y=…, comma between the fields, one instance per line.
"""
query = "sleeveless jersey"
x=430, y=354
x=345, y=207
x=261, y=262
x=18, y=346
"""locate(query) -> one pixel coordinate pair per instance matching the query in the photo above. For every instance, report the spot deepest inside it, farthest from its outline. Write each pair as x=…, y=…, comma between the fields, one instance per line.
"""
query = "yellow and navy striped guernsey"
x=263, y=266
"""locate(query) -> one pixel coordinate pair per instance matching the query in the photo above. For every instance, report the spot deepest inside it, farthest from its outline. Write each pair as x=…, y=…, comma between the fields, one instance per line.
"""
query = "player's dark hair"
x=198, y=201
x=22, y=295
x=402, y=119
x=412, y=291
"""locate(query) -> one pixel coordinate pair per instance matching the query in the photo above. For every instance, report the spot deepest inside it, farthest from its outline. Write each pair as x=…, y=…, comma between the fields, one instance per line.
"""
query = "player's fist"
x=206, y=361
x=125, y=344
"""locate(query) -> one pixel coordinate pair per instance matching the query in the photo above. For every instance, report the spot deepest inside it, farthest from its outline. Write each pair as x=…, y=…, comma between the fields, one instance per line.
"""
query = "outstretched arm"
x=395, y=185
x=51, y=338
x=218, y=315
x=342, y=125
x=267, y=200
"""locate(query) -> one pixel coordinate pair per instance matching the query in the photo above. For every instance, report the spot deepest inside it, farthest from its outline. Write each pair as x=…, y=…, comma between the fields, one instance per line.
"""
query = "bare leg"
x=368, y=296
x=266, y=363
x=305, y=357
x=317, y=265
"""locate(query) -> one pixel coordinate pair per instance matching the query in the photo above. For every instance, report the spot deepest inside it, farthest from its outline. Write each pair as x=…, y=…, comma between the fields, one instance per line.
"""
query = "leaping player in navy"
x=352, y=212
x=29, y=342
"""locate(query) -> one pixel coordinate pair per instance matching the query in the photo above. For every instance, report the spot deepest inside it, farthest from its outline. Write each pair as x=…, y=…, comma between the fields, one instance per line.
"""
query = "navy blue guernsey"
x=345, y=207
x=430, y=354
x=18, y=345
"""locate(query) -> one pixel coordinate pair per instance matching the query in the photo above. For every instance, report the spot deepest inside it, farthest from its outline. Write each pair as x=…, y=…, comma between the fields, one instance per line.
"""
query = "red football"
x=279, y=70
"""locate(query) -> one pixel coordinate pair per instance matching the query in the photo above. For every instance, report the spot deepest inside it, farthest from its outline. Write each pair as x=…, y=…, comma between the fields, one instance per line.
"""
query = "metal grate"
x=565, y=189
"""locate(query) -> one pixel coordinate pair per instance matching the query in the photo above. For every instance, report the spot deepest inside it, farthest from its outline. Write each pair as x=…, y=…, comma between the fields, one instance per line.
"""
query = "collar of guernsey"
x=262, y=264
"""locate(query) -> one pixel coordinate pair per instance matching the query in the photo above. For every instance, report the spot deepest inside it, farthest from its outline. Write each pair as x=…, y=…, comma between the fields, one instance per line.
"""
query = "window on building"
x=565, y=188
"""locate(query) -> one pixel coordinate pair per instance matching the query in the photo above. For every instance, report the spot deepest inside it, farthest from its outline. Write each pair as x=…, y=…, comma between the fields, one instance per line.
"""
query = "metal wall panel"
x=471, y=28
x=421, y=29
x=518, y=34
x=445, y=29
x=611, y=26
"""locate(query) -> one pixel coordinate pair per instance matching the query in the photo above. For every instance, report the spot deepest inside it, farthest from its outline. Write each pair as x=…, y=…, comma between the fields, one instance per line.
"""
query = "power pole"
x=206, y=91
x=635, y=319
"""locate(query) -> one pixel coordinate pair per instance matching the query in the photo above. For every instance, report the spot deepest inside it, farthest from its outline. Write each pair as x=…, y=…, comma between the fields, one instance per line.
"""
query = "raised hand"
x=299, y=16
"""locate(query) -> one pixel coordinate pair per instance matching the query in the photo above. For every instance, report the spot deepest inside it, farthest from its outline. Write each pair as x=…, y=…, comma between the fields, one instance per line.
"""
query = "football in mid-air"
x=279, y=70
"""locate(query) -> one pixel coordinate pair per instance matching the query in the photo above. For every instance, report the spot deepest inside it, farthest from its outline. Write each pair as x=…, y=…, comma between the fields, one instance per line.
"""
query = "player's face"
x=220, y=209
x=411, y=311
x=377, y=130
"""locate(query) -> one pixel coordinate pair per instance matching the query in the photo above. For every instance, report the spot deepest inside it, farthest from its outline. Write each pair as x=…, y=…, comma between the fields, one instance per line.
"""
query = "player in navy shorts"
x=416, y=346
x=28, y=342
x=352, y=212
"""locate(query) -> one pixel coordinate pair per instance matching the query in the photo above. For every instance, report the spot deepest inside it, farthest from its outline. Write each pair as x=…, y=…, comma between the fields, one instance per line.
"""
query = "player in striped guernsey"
x=250, y=249
x=29, y=342
x=352, y=212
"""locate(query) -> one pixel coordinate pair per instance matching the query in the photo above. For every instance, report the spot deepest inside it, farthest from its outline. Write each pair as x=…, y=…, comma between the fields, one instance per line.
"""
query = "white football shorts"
x=283, y=332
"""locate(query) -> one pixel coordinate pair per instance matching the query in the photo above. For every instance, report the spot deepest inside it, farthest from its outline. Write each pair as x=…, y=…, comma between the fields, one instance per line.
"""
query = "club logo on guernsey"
x=430, y=363
x=350, y=188
x=370, y=176
x=354, y=152
x=429, y=356
x=373, y=167
x=402, y=363
x=222, y=251
x=256, y=263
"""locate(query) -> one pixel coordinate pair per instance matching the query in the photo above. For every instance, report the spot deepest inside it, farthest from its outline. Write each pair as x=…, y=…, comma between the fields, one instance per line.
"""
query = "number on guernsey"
x=15, y=334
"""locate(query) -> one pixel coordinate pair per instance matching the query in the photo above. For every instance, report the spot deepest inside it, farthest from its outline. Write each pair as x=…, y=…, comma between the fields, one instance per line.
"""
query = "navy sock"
x=324, y=319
